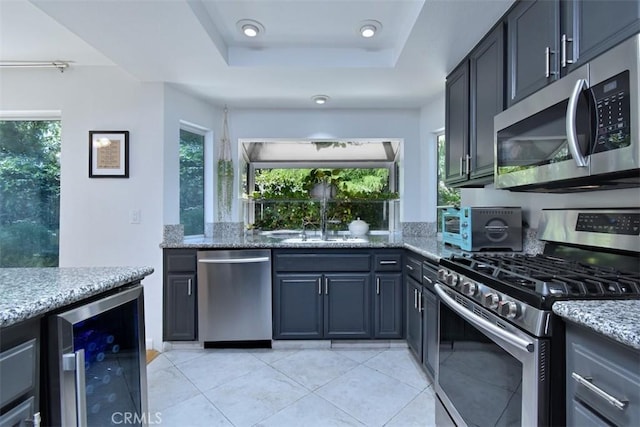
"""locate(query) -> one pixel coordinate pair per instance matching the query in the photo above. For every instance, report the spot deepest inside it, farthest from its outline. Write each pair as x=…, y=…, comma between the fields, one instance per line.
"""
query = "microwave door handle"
x=572, y=137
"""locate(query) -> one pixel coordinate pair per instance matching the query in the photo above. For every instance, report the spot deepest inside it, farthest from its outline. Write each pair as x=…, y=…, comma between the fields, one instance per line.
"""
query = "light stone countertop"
x=29, y=292
x=427, y=246
x=616, y=319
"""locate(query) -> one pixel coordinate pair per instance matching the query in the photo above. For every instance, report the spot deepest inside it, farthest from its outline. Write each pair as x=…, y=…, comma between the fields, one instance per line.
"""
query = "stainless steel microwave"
x=579, y=133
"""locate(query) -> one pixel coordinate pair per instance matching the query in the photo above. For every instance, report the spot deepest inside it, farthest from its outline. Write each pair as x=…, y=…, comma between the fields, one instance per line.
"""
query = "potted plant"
x=322, y=183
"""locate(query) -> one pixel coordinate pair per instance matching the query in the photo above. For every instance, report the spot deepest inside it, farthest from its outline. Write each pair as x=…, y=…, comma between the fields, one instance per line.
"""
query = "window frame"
x=207, y=173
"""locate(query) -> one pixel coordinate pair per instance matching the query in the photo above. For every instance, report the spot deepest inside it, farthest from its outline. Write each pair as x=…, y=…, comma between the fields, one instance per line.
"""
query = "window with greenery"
x=29, y=193
x=446, y=196
x=192, y=182
x=283, y=198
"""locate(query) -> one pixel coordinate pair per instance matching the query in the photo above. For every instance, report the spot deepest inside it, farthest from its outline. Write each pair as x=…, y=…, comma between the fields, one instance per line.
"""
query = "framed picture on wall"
x=109, y=154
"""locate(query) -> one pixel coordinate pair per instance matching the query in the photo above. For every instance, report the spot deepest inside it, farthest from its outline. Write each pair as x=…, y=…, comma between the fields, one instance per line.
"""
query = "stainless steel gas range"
x=501, y=349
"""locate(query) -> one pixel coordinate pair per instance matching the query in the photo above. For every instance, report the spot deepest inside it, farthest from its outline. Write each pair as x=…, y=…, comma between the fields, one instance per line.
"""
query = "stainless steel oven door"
x=489, y=372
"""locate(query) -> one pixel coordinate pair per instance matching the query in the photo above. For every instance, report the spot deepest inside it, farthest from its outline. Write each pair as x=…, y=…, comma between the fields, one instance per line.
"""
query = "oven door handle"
x=487, y=327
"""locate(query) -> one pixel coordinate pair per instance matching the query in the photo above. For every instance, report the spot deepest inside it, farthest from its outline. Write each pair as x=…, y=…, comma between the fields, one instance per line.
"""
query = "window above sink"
x=279, y=176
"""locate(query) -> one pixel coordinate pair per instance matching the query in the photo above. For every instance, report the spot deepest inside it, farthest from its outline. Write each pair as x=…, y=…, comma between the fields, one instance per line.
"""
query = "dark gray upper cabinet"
x=346, y=305
x=533, y=47
x=549, y=38
x=298, y=306
x=486, y=100
x=474, y=94
x=388, y=305
x=590, y=28
x=457, y=124
x=180, y=295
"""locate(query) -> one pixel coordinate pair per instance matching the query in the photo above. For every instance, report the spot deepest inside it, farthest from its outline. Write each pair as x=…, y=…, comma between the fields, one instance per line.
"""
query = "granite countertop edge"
x=616, y=319
x=26, y=293
x=427, y=246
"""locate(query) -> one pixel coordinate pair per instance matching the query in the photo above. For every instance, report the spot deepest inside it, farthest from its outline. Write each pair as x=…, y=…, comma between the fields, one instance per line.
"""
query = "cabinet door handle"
x=378, y=285
x=461, y=167
x=587, y=382
x=189, y=285
x=415, y=299
x=547, y=62
x=420, y=302
x=563, y=58
x=467, y=163
x=35, y=421
x=326, y=286
x=319, y=286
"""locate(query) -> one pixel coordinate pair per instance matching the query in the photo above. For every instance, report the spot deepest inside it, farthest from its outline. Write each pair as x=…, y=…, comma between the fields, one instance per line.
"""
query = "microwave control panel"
x=612, y=101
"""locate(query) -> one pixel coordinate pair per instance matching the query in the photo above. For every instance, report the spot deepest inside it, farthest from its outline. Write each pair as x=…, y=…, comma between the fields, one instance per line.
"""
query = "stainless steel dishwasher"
x=234, y=298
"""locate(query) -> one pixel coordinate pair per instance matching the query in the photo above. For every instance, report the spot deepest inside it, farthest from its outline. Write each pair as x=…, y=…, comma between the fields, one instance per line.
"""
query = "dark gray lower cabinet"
x=603, y=380
x=180, y=316
x=430, y=332
x=346, y=305
x=388, y=306
x=414, y=316
x=314, y=306
x=298, y=306
x=180, y=307
x=20, y=373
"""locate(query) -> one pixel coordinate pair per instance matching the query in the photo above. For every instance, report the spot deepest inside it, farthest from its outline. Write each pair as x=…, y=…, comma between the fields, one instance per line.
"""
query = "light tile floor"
x=344, y=386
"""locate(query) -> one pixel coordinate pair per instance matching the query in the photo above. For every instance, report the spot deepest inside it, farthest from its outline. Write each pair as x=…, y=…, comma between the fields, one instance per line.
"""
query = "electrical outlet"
x=135, y=216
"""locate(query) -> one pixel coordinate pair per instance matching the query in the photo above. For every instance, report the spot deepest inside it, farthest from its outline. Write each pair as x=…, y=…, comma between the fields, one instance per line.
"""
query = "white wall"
x=327, y=123
x=533, y=203
x=94, y=213
x=431, y=123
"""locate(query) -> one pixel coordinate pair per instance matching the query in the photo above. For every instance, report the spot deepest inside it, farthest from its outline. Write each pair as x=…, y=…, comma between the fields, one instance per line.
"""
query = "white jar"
x=358, y=227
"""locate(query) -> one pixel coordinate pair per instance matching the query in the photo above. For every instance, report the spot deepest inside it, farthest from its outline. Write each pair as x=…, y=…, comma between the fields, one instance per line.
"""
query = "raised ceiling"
x=308, y=47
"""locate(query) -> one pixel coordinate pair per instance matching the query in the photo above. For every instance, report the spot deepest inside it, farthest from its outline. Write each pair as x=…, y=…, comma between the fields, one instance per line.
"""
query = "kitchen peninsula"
x=66, y=332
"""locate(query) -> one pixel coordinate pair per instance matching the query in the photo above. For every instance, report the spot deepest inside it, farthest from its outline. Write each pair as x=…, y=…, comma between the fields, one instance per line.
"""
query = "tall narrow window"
x=446, y=196
x=192, y=182
x=29, y=193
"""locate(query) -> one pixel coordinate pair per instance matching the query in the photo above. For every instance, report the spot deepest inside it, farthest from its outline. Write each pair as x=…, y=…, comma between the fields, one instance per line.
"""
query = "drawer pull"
x=388, y=262
x=427, y=279
x=586, y=381
x=409, y=267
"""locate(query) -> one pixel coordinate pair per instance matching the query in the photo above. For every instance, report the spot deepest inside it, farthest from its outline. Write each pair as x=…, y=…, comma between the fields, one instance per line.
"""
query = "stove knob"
x=452, y=279
x=508, y=309
x=469, y=288
x=465, y=236
x=491, y=300
x=442, y=274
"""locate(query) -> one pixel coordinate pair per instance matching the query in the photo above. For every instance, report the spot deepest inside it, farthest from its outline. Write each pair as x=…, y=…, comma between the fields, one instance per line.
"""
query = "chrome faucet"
x=323, y=219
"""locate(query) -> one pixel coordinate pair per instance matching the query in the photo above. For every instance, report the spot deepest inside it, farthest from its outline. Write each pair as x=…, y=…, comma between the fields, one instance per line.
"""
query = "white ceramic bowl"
x=358, y=227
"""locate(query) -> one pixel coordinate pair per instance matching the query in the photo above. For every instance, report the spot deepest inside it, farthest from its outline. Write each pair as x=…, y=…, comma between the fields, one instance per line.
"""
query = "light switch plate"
x=135, y=216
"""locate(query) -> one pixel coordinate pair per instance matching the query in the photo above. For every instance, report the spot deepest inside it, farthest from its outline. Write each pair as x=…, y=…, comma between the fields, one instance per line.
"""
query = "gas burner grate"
x=549, y=276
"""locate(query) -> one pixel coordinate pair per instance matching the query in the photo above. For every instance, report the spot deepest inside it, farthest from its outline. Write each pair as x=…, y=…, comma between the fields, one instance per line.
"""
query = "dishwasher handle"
x=234, y=260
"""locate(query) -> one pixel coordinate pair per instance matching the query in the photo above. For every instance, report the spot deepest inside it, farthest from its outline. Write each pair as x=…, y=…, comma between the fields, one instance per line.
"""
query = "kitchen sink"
x=319, y=241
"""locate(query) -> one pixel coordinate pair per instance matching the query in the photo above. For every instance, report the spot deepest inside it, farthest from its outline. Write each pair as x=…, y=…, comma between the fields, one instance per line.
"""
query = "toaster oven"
x=483, y=228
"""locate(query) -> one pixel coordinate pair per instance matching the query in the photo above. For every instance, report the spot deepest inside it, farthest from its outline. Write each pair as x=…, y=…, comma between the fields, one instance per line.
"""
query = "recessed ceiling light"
x=320, y=99
x=250, y=28
x=369, y=28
